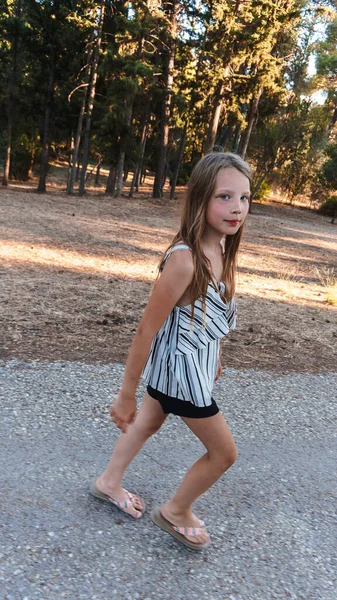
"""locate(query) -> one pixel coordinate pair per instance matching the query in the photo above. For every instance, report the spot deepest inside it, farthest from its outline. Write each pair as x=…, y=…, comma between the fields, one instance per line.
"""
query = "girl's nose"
x=236, y=208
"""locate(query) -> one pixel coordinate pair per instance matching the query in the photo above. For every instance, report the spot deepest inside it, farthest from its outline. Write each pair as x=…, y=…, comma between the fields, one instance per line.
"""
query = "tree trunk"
x=138, y=178
x=46, y=131
x=214, y=122
x=166, y=110
x=9, y=139
x=92, y=91
x=75, y=154
x=119, y=180
x=110, y=185
x=98, y=171
x=78, y=166
x=237, y=137
x=31, y=164
x=120, y=167
x=252, y=118
x=74, y=167
x=180, y=157
x=225, y=136
x=89, y=173
x=142, y=145
x=134, y=180
x=126, y=171
x=143, y=174
x=11, y=98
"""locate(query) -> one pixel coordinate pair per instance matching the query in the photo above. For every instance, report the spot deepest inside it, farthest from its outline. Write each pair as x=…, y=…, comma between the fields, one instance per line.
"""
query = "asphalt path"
x=272, y=517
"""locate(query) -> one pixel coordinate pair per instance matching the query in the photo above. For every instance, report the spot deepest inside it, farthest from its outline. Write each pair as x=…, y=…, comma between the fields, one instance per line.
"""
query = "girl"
x=177, y=346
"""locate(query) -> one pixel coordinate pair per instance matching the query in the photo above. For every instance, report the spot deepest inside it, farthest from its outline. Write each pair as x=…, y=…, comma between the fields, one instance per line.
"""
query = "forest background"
x=115, y=102
x=146, y=86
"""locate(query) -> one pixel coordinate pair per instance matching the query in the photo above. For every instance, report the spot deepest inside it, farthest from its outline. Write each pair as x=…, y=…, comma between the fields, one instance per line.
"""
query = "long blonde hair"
x=193, y=221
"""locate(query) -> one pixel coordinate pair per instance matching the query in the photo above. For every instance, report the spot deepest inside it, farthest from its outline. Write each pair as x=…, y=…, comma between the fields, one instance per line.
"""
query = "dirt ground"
x=76, y=274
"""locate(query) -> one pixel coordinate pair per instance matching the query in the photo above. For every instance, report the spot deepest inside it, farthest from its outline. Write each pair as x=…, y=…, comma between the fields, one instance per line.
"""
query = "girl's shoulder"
x=178, y=246
x=170, y=251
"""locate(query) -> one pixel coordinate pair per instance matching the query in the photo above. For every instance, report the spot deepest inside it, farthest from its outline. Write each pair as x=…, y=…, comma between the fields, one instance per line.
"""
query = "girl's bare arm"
x=171, y=285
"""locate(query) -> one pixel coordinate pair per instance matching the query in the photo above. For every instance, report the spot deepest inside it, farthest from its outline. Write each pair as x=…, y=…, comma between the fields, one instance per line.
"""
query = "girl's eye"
x=244, y=197
x=225, y=196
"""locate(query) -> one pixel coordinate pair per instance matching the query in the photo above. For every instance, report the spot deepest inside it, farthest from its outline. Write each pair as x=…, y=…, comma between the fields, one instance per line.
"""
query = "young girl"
x=177, y=347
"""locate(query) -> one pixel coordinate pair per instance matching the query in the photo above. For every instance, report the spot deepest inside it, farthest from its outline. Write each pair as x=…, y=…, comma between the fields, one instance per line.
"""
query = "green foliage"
x=288, y=146
x=263, y=191
x=40, y=37
x=227, y=54
x=328, y=172
x=326, y=61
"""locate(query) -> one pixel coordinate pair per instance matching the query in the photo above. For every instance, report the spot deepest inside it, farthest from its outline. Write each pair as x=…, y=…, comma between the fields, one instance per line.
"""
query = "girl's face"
x=229, y=203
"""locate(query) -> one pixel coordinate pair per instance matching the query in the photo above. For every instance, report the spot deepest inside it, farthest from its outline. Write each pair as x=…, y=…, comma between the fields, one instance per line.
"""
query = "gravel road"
x=272, y=517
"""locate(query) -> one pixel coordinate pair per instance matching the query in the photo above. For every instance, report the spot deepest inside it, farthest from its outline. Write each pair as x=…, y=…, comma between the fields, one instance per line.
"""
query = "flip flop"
x=180, y=533
x=123, y=506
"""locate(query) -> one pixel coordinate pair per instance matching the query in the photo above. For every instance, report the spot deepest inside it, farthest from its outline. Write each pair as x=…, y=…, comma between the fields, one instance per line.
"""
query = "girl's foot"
x=186, y=520
x=128, y=503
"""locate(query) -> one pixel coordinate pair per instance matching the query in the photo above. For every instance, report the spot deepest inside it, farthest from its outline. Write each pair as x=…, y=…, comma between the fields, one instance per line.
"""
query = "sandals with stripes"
x=124, y=506
x=180, y=533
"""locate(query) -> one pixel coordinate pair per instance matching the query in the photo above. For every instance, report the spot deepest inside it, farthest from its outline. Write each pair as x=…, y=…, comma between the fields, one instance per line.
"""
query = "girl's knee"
x=232, y=456
x=226, y=458
x=146, y=430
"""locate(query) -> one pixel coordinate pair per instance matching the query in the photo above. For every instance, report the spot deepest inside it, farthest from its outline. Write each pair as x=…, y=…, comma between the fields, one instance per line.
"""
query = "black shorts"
x=182, y=408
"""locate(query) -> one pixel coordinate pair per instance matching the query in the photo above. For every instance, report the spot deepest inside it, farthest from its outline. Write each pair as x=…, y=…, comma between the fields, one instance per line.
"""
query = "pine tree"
x=326, y=65
x=171, y=10
x=14, y=19
x=91, y=97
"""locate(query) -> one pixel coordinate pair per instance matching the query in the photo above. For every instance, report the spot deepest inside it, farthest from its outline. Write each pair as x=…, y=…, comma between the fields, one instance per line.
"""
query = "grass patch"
x=288, y=283
x=328, y=279
x=331, y=295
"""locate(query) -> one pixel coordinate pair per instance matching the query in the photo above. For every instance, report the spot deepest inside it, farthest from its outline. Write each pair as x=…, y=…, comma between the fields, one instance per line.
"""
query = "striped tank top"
x=184, y=354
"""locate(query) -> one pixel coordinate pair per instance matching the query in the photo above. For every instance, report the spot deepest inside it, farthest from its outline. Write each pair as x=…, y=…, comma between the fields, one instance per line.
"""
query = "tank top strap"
x=176, y=247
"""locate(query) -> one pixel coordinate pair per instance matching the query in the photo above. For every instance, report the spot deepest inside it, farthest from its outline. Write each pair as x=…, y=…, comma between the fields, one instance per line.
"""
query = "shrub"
x=329, y=208
x=23, y=155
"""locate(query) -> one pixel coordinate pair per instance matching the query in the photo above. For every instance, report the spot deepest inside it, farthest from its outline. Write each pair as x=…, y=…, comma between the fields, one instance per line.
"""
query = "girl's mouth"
x=233, y=223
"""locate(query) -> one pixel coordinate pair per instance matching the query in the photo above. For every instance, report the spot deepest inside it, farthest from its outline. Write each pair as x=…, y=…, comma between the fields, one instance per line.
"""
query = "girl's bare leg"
x=148, y=420
x=221, y=453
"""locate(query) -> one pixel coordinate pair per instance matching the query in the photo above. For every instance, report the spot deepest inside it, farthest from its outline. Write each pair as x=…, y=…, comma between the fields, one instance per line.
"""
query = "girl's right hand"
x=123, y=410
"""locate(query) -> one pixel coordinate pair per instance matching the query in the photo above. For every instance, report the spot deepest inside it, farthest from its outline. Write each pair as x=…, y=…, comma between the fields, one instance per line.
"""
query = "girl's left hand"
x=219, y=371
x=123, y=410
